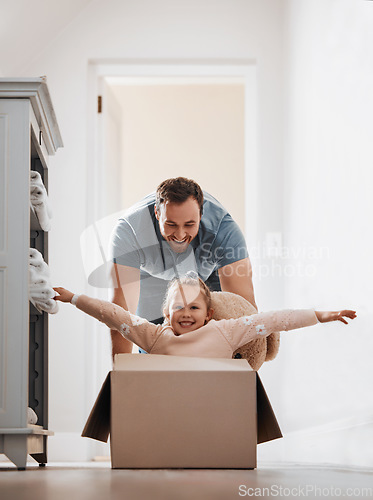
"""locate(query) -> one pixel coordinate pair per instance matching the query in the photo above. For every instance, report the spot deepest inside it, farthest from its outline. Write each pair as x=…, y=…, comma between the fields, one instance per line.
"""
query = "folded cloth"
x=50, y=305
x=37, y=189
x=39, y=200
x=36, y=283
x=41, y=292
x=38, y=194
x=37, y=264
x=35, y=178
x=41, y=214
x=32, y=418
x=35, y=257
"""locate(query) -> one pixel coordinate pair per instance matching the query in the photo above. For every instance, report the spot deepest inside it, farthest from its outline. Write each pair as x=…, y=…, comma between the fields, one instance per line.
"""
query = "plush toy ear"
x=228, y=305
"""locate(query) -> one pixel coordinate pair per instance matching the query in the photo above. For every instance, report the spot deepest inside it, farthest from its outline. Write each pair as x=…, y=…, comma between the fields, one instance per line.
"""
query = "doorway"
x=166, y=120
x=177, y=127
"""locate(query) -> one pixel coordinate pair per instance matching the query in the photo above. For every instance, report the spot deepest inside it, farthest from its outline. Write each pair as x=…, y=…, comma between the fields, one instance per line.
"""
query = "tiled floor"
x=96, y=481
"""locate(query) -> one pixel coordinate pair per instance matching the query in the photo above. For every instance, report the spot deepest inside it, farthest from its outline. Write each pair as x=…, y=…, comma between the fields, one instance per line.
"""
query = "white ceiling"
x=28, y=26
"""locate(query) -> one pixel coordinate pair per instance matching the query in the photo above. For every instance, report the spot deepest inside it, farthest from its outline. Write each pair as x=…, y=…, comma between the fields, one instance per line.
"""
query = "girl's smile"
x=188, y=310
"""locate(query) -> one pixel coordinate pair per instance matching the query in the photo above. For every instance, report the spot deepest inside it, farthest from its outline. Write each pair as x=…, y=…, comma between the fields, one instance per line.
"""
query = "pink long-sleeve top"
x=216, y=339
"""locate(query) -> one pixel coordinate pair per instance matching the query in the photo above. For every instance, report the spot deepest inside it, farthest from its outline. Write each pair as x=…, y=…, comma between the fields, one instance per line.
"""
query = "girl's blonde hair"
x=191, y=279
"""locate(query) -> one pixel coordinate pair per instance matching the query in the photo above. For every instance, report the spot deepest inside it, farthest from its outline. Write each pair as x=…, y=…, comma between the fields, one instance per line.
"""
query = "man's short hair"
x=178, y=190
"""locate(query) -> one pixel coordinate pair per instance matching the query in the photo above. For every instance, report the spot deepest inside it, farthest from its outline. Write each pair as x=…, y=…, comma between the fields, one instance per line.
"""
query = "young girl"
x=188, y=329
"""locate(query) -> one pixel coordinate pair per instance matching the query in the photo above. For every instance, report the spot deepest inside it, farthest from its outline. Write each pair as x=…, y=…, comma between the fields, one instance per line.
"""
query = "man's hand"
x=63, y=294
x=326, y=316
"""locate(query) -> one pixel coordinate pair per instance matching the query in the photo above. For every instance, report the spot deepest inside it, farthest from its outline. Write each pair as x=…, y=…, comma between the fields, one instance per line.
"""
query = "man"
x=168, y=233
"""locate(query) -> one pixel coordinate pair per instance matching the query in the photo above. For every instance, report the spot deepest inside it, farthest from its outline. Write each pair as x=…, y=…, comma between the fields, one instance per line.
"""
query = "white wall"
x=324, y=397
x=191, y=130
x=26, y=27
x=141, y=30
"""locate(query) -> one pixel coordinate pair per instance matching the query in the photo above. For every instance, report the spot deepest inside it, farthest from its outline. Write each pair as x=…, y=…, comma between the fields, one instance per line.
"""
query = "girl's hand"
x=63, y=294
x=326, y=316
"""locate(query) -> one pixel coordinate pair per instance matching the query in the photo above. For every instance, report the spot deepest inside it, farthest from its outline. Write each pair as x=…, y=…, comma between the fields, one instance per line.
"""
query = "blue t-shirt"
x=137, y=242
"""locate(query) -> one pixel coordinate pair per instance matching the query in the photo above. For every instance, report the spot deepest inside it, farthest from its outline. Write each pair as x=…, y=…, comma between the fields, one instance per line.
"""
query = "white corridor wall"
x=324, y=395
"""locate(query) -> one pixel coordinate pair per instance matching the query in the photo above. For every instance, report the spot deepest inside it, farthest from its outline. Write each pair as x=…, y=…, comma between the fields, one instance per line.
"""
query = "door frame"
x=243, y=70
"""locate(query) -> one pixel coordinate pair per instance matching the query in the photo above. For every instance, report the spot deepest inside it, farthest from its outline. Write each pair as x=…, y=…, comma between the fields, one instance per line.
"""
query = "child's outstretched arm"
x=248, y=328
x=136, y=329
x=106, y=312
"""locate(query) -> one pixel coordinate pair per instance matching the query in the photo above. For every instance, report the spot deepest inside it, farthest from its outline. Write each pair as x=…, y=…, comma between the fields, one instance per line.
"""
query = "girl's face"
x=188, y=309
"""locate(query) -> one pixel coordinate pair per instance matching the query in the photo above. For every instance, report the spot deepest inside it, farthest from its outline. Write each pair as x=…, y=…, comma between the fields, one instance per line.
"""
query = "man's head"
x=178, y=209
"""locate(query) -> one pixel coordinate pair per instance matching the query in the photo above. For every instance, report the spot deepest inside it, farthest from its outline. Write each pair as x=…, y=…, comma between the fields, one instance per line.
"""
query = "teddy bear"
x=227, y=305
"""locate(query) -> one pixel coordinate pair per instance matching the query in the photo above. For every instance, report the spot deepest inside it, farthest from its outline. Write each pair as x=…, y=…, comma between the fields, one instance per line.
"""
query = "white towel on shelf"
x=50, y=306
x=39, y=200
x=35, y=281
x=35, y=178
x=37, y=182
x=41, y=292
x=37, y=264
x=32, y=418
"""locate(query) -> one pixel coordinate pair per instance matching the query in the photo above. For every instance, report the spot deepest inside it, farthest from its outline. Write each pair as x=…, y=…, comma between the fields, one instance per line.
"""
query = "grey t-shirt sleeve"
x=124, y=248
x=230, y=245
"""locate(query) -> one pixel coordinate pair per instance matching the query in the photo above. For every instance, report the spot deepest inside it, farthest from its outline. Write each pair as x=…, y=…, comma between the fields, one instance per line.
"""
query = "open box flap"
x=268, y=428
x=98, y=423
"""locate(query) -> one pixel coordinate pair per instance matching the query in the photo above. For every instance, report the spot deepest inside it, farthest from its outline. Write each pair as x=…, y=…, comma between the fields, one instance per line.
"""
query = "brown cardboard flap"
x=98, y=423
x=268, y=427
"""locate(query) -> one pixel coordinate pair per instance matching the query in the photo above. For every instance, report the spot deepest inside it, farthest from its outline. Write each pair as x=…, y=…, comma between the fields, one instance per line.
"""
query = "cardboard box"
x=182, y=412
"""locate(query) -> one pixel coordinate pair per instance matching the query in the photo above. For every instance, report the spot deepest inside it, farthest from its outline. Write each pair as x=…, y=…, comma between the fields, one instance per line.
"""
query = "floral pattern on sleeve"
x=136, y=320
x=261, y=330
x=125, y=329
x=246, y=320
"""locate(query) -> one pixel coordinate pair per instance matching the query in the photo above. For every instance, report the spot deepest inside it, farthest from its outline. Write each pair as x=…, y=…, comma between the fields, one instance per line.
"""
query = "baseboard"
x=339, y=447
x=344, y=446
x=68, y=447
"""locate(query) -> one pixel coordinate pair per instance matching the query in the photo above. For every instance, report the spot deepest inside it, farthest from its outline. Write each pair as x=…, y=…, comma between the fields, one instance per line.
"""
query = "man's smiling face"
x=179, y=223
